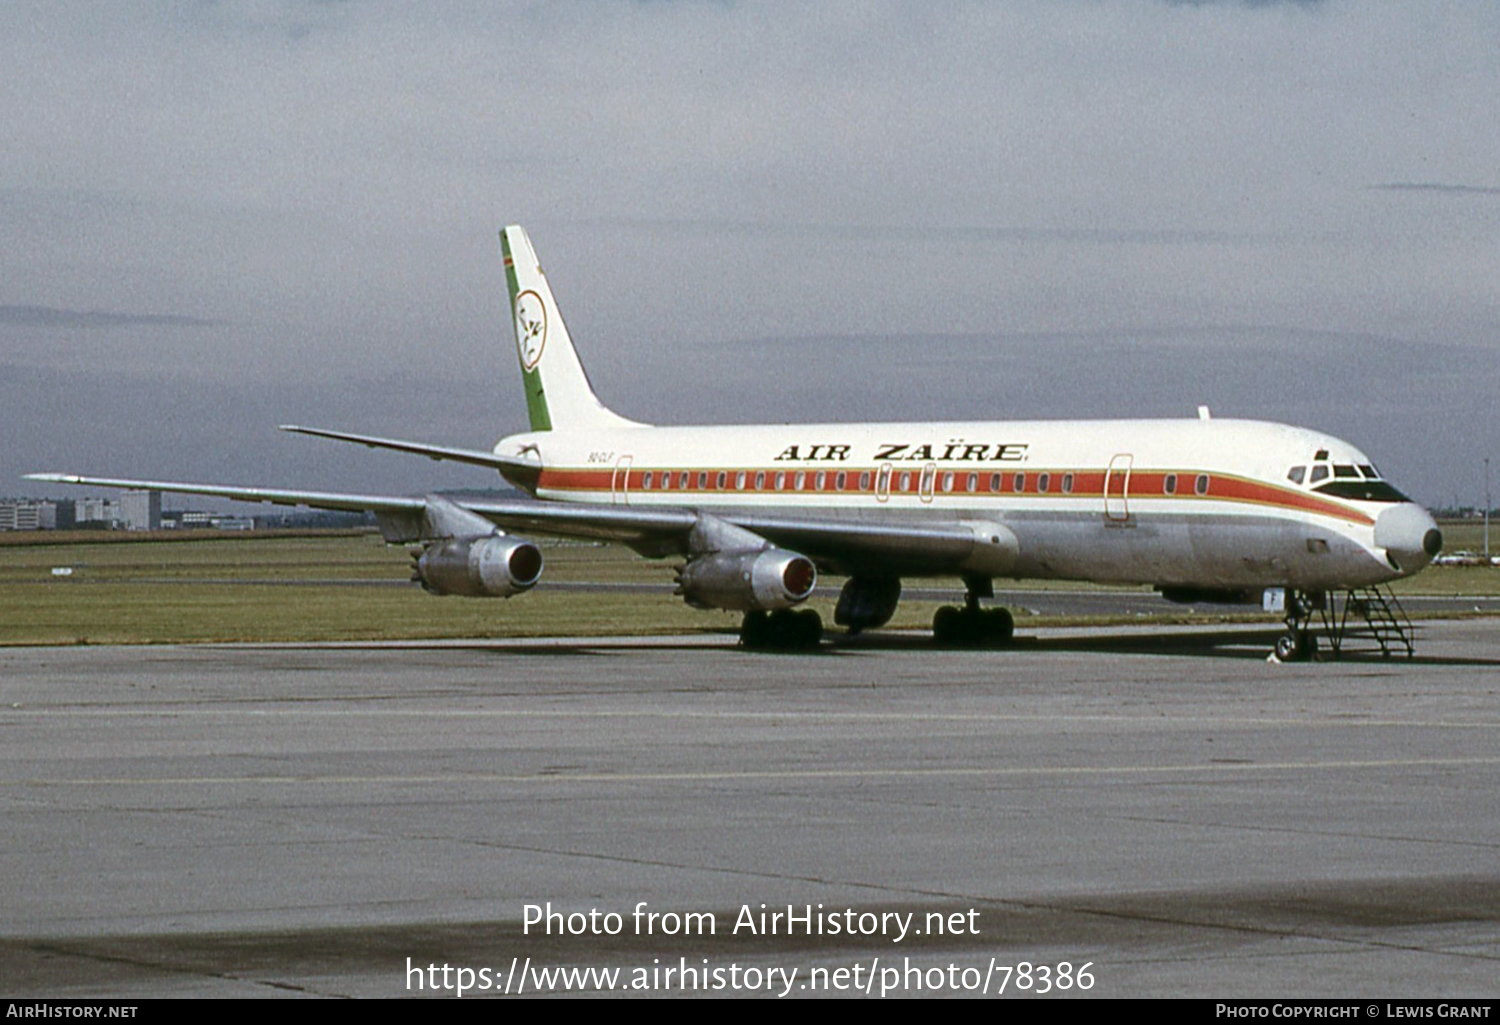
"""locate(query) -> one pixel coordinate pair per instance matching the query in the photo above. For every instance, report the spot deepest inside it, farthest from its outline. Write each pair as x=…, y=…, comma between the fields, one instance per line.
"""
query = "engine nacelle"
x=495, y=566
x=762, y=578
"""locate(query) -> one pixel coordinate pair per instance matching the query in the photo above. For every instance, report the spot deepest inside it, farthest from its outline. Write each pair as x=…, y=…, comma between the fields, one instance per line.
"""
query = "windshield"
x=1362, y=490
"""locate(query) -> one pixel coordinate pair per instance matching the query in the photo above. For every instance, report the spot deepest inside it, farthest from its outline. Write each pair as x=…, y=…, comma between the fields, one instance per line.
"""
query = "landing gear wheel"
x=1000, y=626
x=810, y=629
x=1297, y=646
x=755, y=630
x=972, y=626
x=782, y=630
x=1300, y=642
x=947, y=625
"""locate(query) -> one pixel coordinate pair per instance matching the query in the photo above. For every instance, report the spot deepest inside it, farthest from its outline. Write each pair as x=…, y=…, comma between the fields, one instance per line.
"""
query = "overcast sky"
x=221, y=216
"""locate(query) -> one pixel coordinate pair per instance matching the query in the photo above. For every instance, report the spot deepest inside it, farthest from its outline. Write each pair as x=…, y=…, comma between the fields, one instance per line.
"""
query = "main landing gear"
x=782, y=630
x=972, y=626
x=1299, y=643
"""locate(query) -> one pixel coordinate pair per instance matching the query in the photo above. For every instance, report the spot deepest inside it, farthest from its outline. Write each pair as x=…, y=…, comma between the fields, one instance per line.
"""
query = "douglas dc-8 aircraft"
x=1204, y=509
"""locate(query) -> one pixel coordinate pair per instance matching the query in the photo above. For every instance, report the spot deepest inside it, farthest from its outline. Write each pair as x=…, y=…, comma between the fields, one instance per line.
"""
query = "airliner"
x=1205, y=509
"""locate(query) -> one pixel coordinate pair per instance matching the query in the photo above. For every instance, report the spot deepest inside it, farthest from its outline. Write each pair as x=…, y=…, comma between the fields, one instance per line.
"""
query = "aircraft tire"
x=947, y=625
x=810, y=629
x=970, y=628
x=782, y=630
x=755, y=630
x=999, y=626
x=1296, y=646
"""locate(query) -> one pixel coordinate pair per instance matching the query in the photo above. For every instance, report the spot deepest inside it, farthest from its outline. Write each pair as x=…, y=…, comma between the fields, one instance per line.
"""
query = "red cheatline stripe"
x=1145, y=485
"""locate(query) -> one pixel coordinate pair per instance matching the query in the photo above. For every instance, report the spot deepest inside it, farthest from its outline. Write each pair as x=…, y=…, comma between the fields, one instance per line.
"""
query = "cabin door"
x=1117, y=488
x=619, y=485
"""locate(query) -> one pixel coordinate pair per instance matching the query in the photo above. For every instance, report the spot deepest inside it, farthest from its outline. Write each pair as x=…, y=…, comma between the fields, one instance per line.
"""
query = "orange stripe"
x=1086, y=484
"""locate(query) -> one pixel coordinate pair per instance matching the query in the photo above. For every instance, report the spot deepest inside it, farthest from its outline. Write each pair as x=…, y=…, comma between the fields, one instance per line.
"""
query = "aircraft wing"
x=401, y=516
x=312, y=499
x=843, y=544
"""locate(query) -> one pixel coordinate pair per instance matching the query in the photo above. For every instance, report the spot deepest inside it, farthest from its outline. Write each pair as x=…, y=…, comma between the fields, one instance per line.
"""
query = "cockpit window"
x=1362, y=490
x=1344, y=470
x=1296, y=474
x=1368, y=471
x=1319, y=473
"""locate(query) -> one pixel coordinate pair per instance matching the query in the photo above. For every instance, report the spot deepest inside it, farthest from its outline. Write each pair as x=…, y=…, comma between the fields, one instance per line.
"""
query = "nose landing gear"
x=1299, y=643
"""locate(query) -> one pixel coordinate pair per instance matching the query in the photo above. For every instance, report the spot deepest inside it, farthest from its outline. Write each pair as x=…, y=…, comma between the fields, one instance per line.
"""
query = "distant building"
x=188, y=519
x=141, y=510
x=27, y=514
x=95, y=510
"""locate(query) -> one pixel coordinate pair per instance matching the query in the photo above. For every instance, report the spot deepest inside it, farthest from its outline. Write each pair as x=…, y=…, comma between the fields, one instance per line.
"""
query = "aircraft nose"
x=1409, y=535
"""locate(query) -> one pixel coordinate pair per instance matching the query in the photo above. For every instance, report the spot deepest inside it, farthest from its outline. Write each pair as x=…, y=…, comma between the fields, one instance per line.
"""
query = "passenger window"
x=1296, y=474
x=820, y=480
x=840, y=480
x=973, y=483
x=739, y=481
x=1043, y=482
x=1067, y=483
x=947, y=482
x=760, y=481
x=646, y=480
x=720, y=479
x=864, y=481
x=1201, y=484
x=903, y=482
x=1319, y=473
x=995, y=483
x=702, y=480
x=1018, y=483
x=799, y=481
x=780, y=481
x=1169, y=484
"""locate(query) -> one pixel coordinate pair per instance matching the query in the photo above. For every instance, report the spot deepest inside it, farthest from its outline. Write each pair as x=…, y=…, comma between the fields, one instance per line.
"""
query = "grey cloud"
x=1441, y=187
x=45, y=316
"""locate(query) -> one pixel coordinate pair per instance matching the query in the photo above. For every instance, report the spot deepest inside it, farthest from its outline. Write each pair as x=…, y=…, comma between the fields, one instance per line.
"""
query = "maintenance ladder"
x=1368, y=614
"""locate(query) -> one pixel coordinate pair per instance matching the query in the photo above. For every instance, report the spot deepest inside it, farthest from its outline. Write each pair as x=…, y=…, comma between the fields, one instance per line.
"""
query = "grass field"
x=127, y=588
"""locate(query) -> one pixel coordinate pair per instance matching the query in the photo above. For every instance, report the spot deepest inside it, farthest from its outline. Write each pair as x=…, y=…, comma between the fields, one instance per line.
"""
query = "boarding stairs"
x=1368, y=614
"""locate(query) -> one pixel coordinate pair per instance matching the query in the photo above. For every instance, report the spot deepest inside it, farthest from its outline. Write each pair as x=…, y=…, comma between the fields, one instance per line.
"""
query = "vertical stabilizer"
x=558, y=393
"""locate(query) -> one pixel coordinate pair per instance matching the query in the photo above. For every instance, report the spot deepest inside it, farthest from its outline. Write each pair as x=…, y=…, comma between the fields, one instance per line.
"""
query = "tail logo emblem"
x=531, y=328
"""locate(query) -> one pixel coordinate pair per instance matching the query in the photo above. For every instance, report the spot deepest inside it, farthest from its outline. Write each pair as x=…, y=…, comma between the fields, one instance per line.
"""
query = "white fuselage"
x=1190, y=503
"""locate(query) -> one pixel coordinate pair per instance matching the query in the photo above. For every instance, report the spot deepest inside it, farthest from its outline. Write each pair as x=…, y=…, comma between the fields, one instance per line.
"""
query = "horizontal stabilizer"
x=472, y=456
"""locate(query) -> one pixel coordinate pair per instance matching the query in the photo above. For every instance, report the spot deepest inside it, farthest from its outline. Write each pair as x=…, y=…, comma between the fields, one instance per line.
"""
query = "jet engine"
x=759, y=579
x=494, y=566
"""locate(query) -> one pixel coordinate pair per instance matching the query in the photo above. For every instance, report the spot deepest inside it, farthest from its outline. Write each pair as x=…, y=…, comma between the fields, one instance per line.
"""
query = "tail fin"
x=558, y=393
